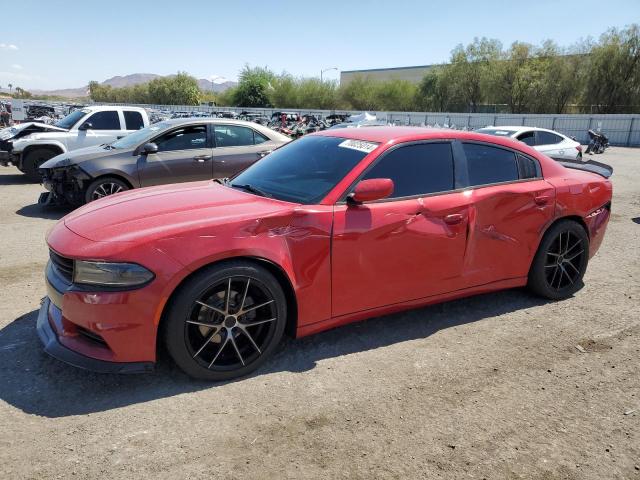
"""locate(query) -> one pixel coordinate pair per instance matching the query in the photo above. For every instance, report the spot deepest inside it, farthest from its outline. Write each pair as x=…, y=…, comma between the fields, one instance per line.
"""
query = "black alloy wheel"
x=226, y=321
x=561, y=261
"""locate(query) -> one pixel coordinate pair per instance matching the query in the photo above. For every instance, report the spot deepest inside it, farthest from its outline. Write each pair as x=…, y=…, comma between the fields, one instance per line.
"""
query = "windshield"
x=496, y=131
x=141, y=136
x=305, y=170
x=71, y=119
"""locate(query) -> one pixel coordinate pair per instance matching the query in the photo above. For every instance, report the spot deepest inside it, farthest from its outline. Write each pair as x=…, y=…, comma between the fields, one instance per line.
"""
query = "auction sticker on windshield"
x=360, y=145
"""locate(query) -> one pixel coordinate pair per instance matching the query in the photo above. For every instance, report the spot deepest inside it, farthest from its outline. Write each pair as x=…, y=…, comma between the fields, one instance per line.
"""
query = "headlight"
x=110, y=274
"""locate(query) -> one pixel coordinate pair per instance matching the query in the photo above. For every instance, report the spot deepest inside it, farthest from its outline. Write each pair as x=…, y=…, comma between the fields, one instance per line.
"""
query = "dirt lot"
x=487, y=387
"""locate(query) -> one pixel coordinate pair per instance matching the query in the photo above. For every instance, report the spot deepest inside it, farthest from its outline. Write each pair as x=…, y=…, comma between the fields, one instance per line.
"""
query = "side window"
x=527, y=167
x=548, y=138
x=233, y=136
x=488, y=164
x=528, y=137
x=133, y=120
x=417, y=169
x=258, y=138
x=107, y=120
x=186, y=138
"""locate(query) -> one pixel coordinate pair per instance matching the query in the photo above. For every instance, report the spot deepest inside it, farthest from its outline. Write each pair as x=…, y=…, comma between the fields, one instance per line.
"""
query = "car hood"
x=82, y=155
x=168, y=211
x=17, y=131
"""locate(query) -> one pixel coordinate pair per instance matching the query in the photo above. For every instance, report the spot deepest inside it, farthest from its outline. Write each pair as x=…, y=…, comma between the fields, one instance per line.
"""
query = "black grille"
x=63, y=265
x=6, y=146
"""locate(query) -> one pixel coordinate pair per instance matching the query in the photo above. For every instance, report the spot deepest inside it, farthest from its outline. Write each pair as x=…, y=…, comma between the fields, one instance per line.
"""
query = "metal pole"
x=630, y=131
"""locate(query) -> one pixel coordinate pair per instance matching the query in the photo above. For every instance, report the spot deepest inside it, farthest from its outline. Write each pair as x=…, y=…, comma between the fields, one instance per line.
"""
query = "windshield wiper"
x=222, y=181
x=250, y=188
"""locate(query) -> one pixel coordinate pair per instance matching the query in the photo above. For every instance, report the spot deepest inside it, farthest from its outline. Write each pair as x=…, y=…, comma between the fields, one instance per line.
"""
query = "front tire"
x=103, y=187
x=33, y=159
x=225, y=321
x=560, y=262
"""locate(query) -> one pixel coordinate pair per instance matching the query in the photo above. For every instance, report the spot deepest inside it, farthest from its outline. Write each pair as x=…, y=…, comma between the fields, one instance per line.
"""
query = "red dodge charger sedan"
x=335, y=227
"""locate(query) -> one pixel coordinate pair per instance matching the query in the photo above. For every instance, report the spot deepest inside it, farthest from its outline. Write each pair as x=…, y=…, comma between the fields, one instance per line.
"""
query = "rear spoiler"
x=598, y=168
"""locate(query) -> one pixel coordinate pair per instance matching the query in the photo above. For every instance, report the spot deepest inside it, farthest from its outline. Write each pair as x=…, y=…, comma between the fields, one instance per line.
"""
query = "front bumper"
x=107, y=332
x=5, y=158
x=48, y=312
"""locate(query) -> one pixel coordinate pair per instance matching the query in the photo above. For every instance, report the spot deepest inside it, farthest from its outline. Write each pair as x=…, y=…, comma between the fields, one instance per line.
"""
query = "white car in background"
x=552, y=144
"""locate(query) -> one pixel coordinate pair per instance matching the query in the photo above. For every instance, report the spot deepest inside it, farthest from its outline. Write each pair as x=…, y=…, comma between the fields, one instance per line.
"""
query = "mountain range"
x=212, y=84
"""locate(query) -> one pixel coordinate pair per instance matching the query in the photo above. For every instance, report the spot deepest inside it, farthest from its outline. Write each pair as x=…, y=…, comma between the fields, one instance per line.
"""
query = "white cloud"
x=16, y=66
x=8, y=46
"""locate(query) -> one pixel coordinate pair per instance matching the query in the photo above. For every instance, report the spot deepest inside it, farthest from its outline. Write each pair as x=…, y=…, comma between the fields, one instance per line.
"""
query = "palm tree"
x=10, y=87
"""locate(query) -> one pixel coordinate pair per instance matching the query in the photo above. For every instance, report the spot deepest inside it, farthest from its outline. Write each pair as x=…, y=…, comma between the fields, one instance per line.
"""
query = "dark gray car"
x=172, y=151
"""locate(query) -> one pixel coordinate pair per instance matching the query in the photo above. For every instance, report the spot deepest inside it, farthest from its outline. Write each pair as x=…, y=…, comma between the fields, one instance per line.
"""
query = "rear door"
x=405, y=247
x=236, y=148
x=105, y=128
x=132, y=120
x=511, y=206
x=184, y=155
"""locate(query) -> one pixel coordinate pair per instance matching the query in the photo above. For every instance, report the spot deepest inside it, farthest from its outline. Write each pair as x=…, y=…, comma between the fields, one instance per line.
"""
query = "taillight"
x=579, y=148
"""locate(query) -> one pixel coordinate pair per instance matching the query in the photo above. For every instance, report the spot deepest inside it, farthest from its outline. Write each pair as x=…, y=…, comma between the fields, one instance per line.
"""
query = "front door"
x=184, y=155
x=408, y=246
x=105, y=128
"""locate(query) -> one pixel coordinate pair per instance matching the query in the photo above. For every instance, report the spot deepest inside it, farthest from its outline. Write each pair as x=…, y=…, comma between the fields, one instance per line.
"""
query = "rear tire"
x=32, y=160
x=225, y=321
x=560, y=262
x=103, y=187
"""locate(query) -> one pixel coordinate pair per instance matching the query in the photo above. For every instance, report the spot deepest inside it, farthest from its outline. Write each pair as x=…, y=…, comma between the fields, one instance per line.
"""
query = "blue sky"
x=55, y=44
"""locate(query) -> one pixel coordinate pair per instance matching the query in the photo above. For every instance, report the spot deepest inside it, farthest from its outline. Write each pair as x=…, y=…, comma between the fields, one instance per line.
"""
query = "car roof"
x=521, y=128
x=101, y=108
x=407, y=134
x=226, y=121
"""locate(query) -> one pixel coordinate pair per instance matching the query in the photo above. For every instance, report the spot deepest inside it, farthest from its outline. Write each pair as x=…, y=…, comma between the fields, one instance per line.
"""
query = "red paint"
x=344, y=262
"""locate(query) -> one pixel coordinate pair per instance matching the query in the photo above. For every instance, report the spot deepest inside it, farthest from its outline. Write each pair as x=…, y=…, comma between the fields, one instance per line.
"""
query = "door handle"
x=264, y=152
x=202, y=158
x=453, y=219
x=541, y=200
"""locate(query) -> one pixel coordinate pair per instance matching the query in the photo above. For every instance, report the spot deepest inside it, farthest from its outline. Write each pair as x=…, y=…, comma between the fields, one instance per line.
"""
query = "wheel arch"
x=54, y=147
x=115, y=175
x=576, y=218
x=276, y=270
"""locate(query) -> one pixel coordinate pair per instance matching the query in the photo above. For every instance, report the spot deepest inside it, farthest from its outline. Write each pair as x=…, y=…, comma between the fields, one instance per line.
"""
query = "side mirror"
x=85, y=126
x=149, y=148
x=370, y=190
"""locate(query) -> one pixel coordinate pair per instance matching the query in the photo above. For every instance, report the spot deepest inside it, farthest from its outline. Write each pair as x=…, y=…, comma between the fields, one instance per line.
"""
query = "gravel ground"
x=486, y=387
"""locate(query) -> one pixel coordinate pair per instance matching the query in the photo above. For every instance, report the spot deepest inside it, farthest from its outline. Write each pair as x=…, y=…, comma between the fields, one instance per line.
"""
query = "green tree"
x=612, y=77
x=471, y=68
x=253, y=87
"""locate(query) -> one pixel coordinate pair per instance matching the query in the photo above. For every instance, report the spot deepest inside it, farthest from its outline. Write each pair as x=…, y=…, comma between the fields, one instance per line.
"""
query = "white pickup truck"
x=29, y=145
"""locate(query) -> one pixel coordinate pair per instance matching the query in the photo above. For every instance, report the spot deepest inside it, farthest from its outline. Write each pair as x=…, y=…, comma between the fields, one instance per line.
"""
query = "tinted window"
x=259, y=138
x=133, y=120
x=186, y=138
x=305, y=170
x=489, y=164
x=528, y=137
x=233, y=136
x=417, y=169
x=71, y=119
x=108, y=120
x=548, y=138
x=527, y=167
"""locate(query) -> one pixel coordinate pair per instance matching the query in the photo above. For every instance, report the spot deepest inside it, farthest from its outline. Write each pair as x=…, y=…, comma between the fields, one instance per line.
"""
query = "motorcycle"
x=598, y=142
